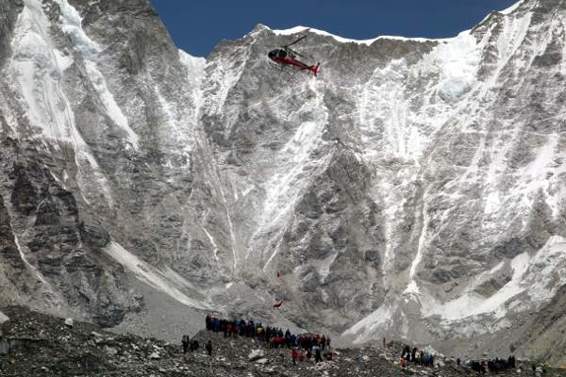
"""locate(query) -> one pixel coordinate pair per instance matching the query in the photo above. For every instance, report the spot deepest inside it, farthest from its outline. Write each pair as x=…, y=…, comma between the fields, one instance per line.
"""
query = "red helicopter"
x=286, y=56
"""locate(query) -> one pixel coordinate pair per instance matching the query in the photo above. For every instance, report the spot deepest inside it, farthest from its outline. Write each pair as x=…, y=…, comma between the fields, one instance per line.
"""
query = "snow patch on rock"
x=367, y=42
x=71, y=25
x=546, y=271
x=537, y=276
x=31, y=267
x=167, y=282
x=513, y=7
x=380, y=319
x=472, y=303
x=534, y=281
x=459, y=61
x=195, y=74
x=36, y=74
x=37, y=69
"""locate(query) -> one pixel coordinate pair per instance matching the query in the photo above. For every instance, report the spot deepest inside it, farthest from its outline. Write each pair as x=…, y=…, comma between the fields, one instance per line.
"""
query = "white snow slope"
x=168, y=282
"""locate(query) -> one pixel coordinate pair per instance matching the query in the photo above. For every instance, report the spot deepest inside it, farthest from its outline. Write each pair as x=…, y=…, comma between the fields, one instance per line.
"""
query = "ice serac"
x=415, y=189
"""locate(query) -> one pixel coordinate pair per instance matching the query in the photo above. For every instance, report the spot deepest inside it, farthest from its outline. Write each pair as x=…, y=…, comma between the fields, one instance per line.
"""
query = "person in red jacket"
x=294, y=355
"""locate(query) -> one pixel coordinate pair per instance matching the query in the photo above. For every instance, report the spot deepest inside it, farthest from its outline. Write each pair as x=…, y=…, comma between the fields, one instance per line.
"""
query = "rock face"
x=415, y=189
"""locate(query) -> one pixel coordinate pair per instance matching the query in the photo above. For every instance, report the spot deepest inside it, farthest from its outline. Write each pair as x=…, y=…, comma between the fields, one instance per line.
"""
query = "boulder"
x=69, y=322
x=98, y=338
x=256, y=355
x=4, y=347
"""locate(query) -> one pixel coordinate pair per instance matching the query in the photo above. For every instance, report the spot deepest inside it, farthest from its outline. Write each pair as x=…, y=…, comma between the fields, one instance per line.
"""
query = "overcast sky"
x=197, y=25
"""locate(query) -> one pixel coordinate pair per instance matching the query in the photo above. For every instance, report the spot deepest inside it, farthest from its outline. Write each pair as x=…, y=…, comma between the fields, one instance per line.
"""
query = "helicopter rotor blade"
x=296, y=53
x=299, y=54
x=297, y=41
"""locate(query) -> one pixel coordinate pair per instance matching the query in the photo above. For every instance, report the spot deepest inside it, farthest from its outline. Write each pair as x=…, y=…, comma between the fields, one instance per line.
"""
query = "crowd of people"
x=303, y=347
x=316, y=347
x=493, y=366
x=419, y=357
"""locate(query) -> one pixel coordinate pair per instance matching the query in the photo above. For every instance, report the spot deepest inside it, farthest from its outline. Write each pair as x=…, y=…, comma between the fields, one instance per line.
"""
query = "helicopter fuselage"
x=285, y=57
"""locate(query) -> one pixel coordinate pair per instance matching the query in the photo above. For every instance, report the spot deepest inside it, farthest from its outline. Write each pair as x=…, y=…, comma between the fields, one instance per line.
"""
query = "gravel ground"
x=43, y=345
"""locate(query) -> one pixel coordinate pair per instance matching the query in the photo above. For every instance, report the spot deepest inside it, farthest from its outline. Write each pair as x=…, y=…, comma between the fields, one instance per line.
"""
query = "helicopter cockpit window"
x=282, y=53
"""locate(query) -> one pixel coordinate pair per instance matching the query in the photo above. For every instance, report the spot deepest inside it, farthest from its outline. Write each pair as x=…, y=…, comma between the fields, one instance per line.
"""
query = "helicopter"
x=285, y=56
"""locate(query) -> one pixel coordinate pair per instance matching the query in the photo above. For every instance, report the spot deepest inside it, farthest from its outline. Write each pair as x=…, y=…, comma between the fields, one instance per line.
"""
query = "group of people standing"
x=193, y=345
x=303, y=346
x=306, y=347
x=423, y=358
x=311, y=346
x=416, y=356
x=493, y=366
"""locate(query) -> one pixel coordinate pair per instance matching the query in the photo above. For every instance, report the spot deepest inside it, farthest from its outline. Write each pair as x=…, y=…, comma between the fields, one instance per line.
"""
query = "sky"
x=198, y=25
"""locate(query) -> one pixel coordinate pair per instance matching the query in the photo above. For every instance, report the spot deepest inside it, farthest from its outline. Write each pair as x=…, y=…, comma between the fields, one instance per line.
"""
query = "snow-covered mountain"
x=415, y=189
